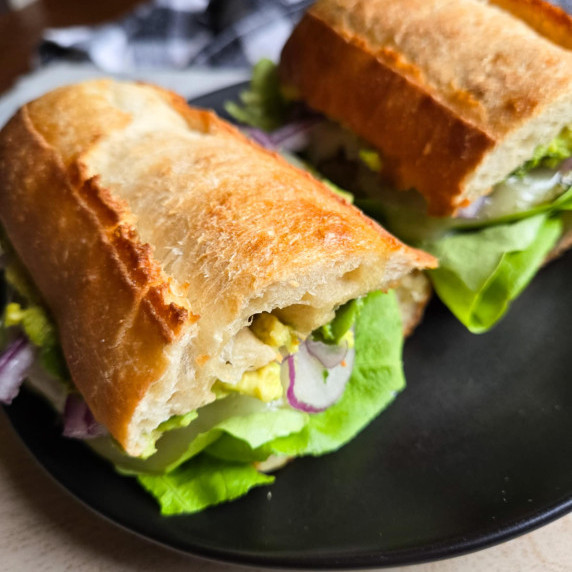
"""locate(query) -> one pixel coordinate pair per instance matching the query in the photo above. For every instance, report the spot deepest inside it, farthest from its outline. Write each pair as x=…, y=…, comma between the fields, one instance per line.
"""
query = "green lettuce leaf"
x=376, y=378
x=403, y=213
x=262, y=104
x=232, y=415
x=178, y=421
x=562, y=203
x=483, y=265
x=206, y=457
x=224, y=471
x=260, y=428
x=204, y=482
x=481, y=272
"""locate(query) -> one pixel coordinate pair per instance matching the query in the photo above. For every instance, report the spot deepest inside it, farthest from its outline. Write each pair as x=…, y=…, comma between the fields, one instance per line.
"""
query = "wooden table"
x=43, y=528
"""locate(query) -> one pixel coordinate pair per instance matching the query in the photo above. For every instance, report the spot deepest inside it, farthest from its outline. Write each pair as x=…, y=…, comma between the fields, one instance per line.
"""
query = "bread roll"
x=155, y=232
x=455, y=94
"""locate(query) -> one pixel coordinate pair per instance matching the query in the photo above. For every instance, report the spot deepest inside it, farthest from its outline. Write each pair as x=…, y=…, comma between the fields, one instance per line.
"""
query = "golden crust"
x=435, y=85
x=298, y=210
x=108, y=296
x=545, y=18
x=136, y=214
x=417, y=150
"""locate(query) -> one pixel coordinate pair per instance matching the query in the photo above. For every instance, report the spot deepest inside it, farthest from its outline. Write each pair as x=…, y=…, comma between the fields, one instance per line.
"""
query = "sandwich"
x=451, y=121
x=198, y=309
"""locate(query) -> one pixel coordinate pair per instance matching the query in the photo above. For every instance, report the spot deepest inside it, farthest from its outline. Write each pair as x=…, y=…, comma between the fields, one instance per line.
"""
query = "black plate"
x=477, y=450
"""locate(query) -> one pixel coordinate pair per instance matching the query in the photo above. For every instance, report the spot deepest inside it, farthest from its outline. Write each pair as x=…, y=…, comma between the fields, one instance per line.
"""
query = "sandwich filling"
x=535, y=185
x=488, y=251
x=298, y=396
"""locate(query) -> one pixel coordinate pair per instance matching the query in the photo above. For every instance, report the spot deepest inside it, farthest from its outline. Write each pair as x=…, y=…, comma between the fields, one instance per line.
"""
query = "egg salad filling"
x=264, y=383
x=311, y=397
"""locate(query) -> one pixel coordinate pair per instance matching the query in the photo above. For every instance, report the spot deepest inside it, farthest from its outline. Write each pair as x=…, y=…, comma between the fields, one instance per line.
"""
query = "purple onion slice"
x=15, y=362
x=328, y=355
x=79, y=422
x=566, y=166
x=261, y=137
x=309, y=386
x=291, y=137
x=294, y=136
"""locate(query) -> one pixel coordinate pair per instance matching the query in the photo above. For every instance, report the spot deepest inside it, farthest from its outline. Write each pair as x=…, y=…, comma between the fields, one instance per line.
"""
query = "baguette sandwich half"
x=209, y=298
x=452, y=120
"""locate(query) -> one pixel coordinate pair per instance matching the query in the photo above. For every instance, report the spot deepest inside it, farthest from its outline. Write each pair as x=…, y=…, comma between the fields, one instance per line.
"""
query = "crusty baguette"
x=454, y=93
x=155, y=232
x=547, y=19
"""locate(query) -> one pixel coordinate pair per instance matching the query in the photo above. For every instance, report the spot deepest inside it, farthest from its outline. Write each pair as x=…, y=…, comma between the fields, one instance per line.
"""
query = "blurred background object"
x=21, y=30
x=19, y=4
x=176, y=34
x=126, y=36
x=120, y=36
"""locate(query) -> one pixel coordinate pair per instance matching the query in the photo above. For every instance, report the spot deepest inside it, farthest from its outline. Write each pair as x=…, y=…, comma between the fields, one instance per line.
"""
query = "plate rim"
x=444, y=549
